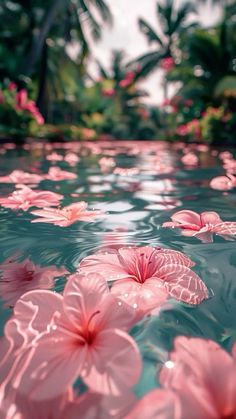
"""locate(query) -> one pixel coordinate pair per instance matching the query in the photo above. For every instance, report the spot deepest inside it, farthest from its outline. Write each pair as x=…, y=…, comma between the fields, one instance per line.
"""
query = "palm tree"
x=204, y=76
x=62, y=17
x=172, y=21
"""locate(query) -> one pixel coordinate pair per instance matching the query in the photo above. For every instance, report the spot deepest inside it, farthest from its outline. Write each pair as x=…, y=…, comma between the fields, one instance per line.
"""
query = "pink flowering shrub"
x=18, y=113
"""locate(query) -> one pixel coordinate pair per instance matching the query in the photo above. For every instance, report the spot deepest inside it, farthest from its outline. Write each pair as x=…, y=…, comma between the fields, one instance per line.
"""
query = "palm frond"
x=147, y=30
x=103, y=10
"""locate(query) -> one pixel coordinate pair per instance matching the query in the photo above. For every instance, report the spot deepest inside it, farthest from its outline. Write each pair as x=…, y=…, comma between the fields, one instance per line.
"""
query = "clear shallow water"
x=136, y=202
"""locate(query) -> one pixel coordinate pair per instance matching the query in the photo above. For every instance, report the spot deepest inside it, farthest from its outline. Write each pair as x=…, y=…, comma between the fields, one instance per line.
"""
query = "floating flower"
x=21, y=177
x=202, y=226
x=64, y=217
x=16, y=278
x=25, y=198
x=57, y=174
x=72, y=159
x=145, y=276
x=223, y=183
x=55, y=339
x=189, y=159
x=202, y=375
x=54, y=157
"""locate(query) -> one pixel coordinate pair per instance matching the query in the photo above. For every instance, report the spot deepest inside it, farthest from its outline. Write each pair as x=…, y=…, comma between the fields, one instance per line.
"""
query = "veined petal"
x=184, y=284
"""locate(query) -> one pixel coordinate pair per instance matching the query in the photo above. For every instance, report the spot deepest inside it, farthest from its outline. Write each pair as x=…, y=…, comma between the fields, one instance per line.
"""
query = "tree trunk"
x=39, y=39
x=41, y=99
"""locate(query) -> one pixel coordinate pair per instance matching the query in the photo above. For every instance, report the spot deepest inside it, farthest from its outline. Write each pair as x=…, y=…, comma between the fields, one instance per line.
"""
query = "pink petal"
x=187, y=217
x=225, y=228
x=115, y=363
x=107, y=264
x=205, y=237
x=143, y=297
x=158, y=404
x=183, y=284
x=84, y=295
x=169, y=256
x=210, y=217
x=52, y=365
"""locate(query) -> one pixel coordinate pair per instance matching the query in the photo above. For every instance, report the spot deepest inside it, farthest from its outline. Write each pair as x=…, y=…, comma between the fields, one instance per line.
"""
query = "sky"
x=125, y=35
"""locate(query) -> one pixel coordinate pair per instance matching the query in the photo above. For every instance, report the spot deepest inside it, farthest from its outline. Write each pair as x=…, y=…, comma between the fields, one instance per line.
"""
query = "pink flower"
x=57, y=174
x=108, y=92
x=22, y=98
x=54, y=157
x=201, y=226
x=126, y=171
x=223, y=183
x=225, y=155
x=64, y=217
x=26, y=198
x=21, y=177
x=56, y=339
x=106, y=163
x=16, y=278
x=145, y=276
x=12, y=86
x=71, y=158
x=167, y=63
x=158, y=404
x=202, y=375
x=23, y=103
x=128, y=80
x=182, y=130
x=190, y=159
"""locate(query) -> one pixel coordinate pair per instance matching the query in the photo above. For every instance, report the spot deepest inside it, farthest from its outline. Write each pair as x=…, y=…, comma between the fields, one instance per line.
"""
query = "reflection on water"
x=138, y=186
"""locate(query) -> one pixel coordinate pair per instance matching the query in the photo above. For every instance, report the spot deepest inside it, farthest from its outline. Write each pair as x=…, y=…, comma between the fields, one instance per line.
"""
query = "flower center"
x=90, y=332
x=144, y=267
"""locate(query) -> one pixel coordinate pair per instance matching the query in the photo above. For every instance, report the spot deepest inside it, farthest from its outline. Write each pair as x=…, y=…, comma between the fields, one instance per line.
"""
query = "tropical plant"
x=172, y=21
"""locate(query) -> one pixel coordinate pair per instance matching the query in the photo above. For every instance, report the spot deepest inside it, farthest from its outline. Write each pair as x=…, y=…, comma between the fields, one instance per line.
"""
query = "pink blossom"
x=230, y=165
x=128, y=80
x=12, y=86
x=201, y=226
x=223, y=183
x=23, y=103
x=190, y=159
x=182, y=130
x=202, y=375
x=167, y=63
x=108, y=92
x=57, y=174
x=158, y=404
x=54, y=339
x=26, y=198
x=224, y=155
x=145, y=276
x=64, y=217
x=106, y=163
x=71, y=158
x=126, y=171
x=22, y=98
x=21, y=177
x=16, y=278
x=54, y=157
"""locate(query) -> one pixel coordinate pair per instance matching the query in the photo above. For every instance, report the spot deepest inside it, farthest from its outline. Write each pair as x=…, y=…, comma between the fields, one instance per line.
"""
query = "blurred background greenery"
x=46, y=92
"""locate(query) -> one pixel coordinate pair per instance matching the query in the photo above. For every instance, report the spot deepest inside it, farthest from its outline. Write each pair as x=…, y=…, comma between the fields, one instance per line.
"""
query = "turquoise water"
x=136, y=203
